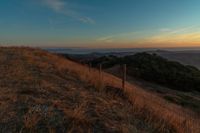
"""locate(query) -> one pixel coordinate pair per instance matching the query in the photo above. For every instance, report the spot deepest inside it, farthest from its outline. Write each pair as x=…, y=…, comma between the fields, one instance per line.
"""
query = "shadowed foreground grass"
x=42, y=92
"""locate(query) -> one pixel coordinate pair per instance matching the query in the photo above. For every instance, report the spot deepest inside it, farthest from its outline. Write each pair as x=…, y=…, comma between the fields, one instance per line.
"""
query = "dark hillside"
x=154, y=68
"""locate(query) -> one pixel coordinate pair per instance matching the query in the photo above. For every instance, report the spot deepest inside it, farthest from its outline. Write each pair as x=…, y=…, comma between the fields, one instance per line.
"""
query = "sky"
x=100, y=23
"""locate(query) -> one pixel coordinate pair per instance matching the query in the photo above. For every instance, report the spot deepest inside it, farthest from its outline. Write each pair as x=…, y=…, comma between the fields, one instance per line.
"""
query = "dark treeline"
x=153, y=68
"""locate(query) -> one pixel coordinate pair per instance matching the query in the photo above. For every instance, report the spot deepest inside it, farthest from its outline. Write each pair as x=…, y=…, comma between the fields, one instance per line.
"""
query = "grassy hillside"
x=42, y=92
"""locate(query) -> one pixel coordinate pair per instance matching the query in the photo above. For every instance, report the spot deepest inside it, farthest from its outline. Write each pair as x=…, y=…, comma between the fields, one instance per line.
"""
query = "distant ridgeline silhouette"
x=151, y=67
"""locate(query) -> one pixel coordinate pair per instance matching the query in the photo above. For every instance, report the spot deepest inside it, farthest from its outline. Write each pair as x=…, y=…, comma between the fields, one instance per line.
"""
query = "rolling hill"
x=185, y=57
x=154, y=68
x=43, y=92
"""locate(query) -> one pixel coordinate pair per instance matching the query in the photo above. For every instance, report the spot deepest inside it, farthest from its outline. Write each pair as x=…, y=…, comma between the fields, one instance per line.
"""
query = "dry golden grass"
x=36, y=95
x=161, y=111
x=68, y=91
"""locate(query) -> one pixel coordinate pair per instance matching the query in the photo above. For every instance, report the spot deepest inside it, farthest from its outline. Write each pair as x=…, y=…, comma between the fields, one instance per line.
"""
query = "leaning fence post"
x=124, y=77
x=100, y=69
x=100, y=75
x=90, y=66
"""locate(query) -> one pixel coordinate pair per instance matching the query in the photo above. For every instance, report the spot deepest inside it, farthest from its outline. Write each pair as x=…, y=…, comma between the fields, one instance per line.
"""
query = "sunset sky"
x=100, y=23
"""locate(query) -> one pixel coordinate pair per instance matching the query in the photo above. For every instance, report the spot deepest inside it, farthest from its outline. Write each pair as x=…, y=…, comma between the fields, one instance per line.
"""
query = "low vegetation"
x=151, y=67
x=43, y=92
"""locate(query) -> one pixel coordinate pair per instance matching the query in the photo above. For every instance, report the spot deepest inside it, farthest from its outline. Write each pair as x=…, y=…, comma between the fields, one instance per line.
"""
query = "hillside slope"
x=42, y=92
x=36, y=95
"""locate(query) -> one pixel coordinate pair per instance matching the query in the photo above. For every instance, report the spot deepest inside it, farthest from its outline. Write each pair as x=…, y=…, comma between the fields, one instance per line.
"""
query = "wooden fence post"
x=90, y=66
x=124, y=77
x=100, y=69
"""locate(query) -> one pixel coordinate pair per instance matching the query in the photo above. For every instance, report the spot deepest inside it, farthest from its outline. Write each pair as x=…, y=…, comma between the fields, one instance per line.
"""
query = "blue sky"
x=100, y=23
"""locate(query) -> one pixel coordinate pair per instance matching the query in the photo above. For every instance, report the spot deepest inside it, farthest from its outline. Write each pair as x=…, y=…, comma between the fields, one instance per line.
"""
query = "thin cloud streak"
x=118, y=37
x=107, y=39
x=62, y=7
x=179, y=30
x=185, y=35
x=189, y=35
x=56, y=5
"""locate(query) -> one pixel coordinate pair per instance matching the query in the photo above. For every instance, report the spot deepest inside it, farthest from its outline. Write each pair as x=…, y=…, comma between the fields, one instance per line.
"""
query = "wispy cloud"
x=107, y=39
x=178, y=30
x=62, y=7
x=184, y=35
x=165, y=37
x=126, y=36
x=56, y=5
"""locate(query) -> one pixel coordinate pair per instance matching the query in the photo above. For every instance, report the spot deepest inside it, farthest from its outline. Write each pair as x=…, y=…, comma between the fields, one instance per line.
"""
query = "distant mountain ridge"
x=185, y=57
